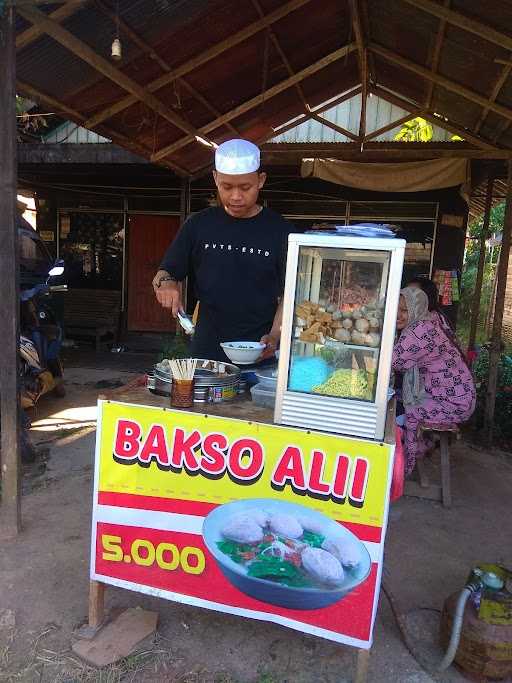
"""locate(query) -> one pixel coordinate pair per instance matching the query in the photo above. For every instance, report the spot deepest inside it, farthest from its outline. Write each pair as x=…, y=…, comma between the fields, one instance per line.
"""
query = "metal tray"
x=209, y=385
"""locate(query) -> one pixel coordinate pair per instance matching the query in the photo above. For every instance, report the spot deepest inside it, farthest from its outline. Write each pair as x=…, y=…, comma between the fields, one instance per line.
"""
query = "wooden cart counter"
x=240, y=408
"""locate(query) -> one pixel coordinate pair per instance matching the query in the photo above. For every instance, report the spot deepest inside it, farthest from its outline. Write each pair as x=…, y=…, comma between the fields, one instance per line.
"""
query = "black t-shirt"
x=237, y=266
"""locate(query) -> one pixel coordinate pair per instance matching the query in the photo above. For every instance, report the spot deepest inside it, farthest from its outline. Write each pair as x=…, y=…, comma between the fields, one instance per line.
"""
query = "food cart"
x=277, y=516
x=340, y=308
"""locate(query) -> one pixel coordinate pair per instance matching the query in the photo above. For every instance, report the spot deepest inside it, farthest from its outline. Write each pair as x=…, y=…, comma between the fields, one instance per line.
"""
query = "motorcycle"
x=40, y=331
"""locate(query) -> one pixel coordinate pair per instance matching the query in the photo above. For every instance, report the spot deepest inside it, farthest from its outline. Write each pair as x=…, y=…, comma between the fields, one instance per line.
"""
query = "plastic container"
x=262, y=396
x=267, y=378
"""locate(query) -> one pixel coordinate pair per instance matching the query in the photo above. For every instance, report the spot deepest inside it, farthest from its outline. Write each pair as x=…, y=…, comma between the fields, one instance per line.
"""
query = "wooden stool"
x=426, y=490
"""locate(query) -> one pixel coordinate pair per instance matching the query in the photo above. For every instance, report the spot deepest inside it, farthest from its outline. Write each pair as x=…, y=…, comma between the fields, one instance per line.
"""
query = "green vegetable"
x=348, y=384
x=312, y=539
x=234, y=550
x=274, y=569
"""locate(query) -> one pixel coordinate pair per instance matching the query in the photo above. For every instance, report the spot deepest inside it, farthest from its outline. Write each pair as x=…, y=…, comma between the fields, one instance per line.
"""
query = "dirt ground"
x=44, y=573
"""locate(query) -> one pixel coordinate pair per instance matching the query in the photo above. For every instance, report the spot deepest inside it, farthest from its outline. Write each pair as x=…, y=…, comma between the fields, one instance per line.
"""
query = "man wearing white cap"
x=235, y=254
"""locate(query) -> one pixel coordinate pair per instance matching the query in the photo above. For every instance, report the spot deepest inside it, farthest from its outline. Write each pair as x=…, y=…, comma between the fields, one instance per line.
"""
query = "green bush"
x=503, y=409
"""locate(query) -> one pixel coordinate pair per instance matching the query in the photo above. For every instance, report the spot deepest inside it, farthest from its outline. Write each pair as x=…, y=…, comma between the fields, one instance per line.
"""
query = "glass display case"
x=340, y=307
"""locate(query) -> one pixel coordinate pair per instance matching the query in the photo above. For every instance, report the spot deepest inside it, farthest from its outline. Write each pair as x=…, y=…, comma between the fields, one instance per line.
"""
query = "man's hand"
x=271, y=342
x=168, y=293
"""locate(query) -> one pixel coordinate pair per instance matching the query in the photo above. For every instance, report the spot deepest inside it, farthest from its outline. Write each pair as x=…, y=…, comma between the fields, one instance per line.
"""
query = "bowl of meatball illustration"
x=284, y=553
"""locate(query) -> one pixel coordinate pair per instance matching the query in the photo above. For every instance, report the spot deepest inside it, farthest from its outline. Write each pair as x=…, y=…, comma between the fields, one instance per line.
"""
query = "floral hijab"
x=417, y=304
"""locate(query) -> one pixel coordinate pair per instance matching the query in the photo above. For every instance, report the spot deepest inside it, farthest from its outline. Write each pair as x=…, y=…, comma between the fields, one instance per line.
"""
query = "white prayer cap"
x=235, y=157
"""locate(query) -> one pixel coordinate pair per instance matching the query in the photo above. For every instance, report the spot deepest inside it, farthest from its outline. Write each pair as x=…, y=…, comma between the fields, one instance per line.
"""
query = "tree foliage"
x=415, y=130
x=419, y=130
x=469, y=273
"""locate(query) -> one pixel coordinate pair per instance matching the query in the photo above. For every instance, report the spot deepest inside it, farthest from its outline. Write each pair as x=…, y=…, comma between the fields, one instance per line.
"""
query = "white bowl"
x=243, y=352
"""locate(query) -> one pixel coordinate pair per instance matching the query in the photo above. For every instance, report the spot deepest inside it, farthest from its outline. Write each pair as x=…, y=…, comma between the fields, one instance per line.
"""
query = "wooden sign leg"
x=363, y=661
x=96, y=611
x=96, y=604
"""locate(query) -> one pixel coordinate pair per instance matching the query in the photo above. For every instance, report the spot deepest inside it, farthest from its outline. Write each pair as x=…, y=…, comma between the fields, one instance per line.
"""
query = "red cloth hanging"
x=398, y=478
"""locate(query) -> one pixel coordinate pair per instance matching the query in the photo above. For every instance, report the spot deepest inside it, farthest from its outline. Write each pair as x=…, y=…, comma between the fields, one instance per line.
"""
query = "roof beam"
x=200, y=59
x=88, y=55
x=365, y=22
x=34, y=32
x=436, y=120
x=337, y=100
x=259, y=99
x=284, y=129
x=463, y=22
x=38, y=96
x=502, y=79
x=312, y=113
x=436, y=56
x=334, y=126
x=381, y=151
x=281, y=53
x=501, y=130
x=446, y=83
x=362, y=57
x=147, y=49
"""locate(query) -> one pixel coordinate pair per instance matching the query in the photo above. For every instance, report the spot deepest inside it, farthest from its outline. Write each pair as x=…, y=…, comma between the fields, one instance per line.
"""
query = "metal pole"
x=10, y=509
x=184, y=200
x=184, y=214
x=475, y=308
x=490, y=311
x=501, y=286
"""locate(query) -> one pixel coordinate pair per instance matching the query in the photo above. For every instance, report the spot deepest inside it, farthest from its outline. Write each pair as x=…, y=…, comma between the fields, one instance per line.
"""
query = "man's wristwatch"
x=165, y=278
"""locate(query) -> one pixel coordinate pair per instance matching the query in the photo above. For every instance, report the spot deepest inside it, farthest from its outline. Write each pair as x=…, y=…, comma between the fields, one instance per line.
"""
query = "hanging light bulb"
x=117, y=48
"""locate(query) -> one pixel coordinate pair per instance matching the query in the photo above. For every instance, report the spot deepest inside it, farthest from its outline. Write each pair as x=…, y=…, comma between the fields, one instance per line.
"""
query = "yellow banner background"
x=150, y=481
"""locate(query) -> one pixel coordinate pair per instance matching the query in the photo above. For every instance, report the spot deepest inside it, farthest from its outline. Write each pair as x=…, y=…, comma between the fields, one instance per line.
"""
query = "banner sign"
x=267, y=522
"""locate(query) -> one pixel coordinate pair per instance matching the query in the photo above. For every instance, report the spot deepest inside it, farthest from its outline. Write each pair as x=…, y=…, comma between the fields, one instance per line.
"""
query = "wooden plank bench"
x=92, y=314
x=423, y=488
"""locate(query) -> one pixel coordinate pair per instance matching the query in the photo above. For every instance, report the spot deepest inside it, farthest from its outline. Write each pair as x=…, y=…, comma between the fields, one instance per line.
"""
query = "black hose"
x=427, y=666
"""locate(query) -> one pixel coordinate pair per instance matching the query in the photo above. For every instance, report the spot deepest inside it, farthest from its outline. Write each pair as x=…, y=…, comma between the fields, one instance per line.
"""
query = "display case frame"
x=349, y=416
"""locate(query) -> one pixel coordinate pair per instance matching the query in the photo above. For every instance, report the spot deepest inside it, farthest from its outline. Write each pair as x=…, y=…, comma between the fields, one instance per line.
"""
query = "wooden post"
x=490, y=311
x=475, y=308
x=96, y=604
x=363, y=662
x=10, y=510
x=501, y=286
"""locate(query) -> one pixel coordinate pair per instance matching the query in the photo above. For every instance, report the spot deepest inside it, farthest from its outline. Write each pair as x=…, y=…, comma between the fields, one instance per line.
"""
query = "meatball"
x=322, y=566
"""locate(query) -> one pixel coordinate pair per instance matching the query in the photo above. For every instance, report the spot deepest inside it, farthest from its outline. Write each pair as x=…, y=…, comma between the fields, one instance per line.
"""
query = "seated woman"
x=432, y=292
x=437, y=315
x=437, y=386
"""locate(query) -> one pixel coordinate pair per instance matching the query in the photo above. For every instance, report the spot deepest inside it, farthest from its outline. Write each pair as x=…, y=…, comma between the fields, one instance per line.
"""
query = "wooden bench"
x=92, y=314
x=423, y=488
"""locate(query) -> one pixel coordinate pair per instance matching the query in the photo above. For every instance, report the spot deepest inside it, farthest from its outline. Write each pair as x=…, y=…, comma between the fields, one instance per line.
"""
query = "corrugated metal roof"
x=317, y=40
x=71, y=133
x=379, y=113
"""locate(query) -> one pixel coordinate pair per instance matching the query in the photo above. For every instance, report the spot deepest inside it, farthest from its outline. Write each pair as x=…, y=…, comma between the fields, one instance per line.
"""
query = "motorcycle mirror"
x=57, y=269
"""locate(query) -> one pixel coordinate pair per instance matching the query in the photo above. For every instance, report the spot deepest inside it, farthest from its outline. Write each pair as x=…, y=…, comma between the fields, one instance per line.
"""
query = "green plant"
x=175, y=346
x=503, y=408
x=469, y=273
x=415, y=130
x=419, y=130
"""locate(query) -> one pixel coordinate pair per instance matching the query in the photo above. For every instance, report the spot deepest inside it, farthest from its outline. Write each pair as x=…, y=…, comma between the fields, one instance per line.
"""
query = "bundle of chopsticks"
x=183, y=368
